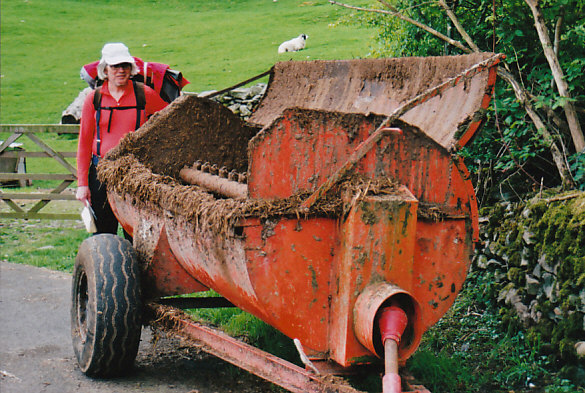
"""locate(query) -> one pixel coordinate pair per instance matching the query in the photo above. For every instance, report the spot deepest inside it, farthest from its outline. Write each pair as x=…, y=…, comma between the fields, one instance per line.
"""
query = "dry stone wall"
x=536, y=253
x=241, y=101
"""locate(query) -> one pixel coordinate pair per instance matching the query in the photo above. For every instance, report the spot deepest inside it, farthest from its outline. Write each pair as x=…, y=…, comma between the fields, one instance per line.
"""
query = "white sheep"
x=293, y=45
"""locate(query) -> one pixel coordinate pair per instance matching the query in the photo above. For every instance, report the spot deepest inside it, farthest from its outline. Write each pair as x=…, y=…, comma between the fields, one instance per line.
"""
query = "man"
x=111, y=111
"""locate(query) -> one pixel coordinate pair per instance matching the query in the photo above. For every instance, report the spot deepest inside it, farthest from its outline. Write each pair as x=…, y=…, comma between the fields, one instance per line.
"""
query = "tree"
x=557, y=71
x=533, y=122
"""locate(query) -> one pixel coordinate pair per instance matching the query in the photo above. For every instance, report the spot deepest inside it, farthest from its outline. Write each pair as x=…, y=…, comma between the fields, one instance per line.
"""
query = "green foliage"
x=509, y=143
x=577, y=162
x=509, y=151
x=473, y=349
x=440, y=372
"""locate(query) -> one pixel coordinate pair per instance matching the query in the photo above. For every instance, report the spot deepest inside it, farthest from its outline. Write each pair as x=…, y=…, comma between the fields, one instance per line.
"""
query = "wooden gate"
x=17, y=157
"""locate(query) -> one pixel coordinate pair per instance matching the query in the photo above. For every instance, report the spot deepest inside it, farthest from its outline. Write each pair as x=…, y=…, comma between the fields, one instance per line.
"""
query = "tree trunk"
x=458, y=26
x=570, y=112
x=557, y=39
x=558, y=156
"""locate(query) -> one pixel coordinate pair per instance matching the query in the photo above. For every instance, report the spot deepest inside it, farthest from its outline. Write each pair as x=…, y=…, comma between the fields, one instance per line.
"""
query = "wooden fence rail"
x=8, y=155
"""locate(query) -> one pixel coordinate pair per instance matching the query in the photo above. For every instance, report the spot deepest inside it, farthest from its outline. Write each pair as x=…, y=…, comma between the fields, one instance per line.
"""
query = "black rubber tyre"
x=106, y=306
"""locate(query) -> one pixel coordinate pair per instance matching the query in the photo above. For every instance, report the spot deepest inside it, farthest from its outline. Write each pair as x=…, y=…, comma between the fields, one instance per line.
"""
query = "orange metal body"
x=303, y=275
x=323, y=280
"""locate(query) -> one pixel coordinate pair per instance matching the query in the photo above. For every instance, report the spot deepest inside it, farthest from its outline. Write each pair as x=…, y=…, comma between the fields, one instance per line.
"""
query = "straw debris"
x=128, y=177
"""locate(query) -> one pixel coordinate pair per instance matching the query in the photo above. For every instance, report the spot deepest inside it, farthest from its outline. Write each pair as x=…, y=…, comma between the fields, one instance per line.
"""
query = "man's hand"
x=83, y=194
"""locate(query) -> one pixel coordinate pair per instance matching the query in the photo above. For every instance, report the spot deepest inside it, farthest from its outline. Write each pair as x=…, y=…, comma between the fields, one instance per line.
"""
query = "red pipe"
x=392, y=322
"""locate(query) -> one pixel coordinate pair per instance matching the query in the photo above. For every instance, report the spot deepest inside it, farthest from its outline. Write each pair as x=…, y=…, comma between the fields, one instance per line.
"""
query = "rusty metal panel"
x=303, y=273
x=376, y=245
x=163, y=275
x=289, y=263
x=300, y=150
x=381, y=86
x=217, y=262
x=251, y=359
x=442, y=257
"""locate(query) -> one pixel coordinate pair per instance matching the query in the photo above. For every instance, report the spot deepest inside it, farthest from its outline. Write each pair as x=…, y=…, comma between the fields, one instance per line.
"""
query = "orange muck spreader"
x=339, y=213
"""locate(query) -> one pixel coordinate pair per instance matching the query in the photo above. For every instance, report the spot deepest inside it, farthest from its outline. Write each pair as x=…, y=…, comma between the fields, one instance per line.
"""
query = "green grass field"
x=215, y=43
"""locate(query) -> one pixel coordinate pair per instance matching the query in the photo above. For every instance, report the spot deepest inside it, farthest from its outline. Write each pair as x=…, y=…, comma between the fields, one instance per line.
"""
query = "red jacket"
x=123, y=122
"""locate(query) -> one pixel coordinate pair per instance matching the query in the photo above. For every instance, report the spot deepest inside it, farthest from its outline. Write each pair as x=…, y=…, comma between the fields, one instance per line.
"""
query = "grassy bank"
x=42, y=243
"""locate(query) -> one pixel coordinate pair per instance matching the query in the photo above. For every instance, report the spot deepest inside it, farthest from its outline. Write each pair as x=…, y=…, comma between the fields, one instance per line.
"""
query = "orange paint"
x=307, y=275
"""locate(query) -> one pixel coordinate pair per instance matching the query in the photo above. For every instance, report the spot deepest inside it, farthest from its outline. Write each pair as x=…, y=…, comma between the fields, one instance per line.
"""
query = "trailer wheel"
x=106, y=306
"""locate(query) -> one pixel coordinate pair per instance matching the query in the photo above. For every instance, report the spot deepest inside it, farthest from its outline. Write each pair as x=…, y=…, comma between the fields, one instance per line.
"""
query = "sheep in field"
x=293, y=45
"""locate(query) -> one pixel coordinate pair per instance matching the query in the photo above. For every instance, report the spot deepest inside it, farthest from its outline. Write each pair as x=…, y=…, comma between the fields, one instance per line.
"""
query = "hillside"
x=214, y=43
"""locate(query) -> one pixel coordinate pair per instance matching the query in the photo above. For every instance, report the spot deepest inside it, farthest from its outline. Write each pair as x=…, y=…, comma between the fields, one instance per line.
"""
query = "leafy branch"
x=524, y=97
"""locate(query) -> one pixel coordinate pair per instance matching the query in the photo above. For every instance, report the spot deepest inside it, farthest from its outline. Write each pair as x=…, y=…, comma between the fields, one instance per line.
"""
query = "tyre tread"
x=115, y=277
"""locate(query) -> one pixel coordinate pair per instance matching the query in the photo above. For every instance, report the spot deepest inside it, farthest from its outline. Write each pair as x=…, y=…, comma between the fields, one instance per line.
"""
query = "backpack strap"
x=97, y=102
x=140, y=100
x=97, y=105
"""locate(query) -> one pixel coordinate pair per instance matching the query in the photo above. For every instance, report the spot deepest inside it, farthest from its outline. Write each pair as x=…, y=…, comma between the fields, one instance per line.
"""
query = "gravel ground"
x=36, y=353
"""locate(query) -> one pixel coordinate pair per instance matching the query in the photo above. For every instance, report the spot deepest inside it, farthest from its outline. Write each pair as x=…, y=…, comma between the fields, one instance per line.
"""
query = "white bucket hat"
x=112, y=54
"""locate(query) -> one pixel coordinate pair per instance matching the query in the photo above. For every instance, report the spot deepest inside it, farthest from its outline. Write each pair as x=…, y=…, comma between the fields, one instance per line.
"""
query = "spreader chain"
x=219, y=180
x=222, y=172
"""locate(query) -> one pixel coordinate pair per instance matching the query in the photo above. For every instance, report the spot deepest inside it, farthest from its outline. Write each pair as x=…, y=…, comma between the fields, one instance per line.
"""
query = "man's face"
x=119, y=74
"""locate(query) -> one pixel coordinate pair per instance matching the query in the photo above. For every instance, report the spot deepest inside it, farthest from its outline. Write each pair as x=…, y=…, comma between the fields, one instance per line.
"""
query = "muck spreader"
x=339, y=213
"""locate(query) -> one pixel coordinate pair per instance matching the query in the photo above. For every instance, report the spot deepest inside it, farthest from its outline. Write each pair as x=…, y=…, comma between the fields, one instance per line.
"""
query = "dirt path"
x=36, y=353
